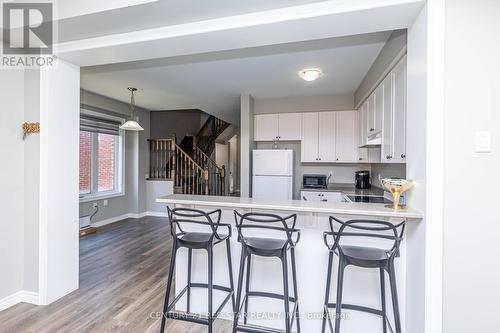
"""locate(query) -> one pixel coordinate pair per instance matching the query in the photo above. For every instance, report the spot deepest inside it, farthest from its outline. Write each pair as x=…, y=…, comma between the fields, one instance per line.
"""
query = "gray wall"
x=305, y=103
x=392, y=51
x=471, y=269
x=164, y=124
x=136, y=161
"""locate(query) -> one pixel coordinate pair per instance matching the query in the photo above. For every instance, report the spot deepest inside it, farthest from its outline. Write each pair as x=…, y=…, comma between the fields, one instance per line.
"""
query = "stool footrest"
x=358, y=308
x=257, y=329
x=184, y=316
x=270, y=295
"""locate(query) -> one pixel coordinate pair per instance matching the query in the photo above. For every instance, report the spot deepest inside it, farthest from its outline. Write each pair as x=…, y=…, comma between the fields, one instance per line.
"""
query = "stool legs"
x=240, y=286
x=382, y=297
x=327, y=293
x=394, y=293
x=340, y=286
x=286, y=293
x=295, y=293
x=230, y=268
x=190, y=259
x=210, y=288
x=247, y=288
x=169, y=287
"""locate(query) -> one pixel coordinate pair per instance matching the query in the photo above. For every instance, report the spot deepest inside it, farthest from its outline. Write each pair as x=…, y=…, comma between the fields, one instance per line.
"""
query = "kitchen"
x=345, y=163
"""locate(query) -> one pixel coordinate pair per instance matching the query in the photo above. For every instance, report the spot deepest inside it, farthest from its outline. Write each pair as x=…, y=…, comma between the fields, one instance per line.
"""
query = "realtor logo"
x=27, y=28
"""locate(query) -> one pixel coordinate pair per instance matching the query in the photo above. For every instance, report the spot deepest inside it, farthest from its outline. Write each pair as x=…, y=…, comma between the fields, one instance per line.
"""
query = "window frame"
x=119, y=166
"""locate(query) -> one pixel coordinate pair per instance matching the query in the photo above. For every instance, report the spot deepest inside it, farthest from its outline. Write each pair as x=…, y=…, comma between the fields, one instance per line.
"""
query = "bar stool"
x=267, y=247
x=193, y=241
x=367, y=257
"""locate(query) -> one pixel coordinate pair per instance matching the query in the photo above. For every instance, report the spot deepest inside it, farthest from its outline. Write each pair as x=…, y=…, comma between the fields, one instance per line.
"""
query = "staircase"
x=188, y=164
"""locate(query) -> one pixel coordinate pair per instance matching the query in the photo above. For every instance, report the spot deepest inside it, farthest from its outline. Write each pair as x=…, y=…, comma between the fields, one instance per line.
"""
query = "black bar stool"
x=367, y=257
x=267, y=247
x=193, y=241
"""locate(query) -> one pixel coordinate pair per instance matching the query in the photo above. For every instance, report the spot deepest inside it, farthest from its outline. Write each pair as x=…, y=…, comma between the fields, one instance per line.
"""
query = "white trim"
x=128, y=216
x=435, y=166
x=18, y=297
x=96, y=197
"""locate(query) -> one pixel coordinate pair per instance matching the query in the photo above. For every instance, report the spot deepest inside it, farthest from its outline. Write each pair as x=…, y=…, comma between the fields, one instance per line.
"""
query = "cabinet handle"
x=372, y=129
x=360, y=158
x=388, y=157
x=403, y=156
x=336, y=159
x=304, y=198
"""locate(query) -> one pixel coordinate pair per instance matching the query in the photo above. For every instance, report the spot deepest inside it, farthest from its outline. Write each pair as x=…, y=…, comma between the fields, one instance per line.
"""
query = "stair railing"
x=216, y=174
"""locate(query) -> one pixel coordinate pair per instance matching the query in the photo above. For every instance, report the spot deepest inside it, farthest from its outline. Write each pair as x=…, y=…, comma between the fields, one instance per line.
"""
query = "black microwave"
x=314, y=181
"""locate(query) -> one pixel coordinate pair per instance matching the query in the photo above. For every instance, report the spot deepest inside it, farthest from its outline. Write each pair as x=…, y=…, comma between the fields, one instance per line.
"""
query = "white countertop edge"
x=367, y=209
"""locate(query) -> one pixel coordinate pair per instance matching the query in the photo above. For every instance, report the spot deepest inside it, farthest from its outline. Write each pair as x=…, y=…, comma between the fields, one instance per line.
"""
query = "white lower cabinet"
x=325, y=196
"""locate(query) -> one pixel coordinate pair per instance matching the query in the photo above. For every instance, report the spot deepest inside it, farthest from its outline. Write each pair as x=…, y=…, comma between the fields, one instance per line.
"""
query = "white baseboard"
x=128, y=216
x=18, y=297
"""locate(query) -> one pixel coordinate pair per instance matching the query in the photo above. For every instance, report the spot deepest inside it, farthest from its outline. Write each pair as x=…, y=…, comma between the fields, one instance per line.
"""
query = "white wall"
x=471, y=270
x=59, y=142
x=416, y=170
x=246, y=144
x=12, y=181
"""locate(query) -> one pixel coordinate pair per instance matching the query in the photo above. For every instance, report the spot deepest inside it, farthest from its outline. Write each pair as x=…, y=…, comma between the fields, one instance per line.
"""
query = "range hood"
x=373, y=141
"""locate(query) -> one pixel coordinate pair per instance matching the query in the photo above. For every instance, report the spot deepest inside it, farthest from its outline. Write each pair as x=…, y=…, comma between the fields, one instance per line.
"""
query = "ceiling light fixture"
x=310, y=74
x=132, y=124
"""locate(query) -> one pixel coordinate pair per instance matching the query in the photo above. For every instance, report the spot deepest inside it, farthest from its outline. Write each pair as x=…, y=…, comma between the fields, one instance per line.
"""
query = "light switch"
x=105, y=203
x=483, y=142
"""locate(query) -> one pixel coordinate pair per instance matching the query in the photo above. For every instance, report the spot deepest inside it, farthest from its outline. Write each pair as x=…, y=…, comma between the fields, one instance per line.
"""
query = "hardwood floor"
x=123, y=274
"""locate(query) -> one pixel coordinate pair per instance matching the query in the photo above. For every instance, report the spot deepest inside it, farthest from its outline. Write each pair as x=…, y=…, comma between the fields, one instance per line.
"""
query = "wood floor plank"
x=123, y=274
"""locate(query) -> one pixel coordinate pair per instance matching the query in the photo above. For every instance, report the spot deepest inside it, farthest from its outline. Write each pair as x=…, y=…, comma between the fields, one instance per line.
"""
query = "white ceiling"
x=105, y=17
x=214, y=82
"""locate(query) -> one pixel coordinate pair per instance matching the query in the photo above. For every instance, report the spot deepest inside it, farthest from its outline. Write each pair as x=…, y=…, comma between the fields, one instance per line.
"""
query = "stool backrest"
x=367, y=229
x=270, y=223
x=189, y=216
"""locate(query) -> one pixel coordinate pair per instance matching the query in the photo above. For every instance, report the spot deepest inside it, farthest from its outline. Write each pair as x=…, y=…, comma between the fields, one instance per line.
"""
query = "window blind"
x=99, y=125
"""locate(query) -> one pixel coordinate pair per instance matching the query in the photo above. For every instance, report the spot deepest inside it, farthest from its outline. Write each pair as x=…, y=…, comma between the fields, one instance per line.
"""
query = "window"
x=100, y=160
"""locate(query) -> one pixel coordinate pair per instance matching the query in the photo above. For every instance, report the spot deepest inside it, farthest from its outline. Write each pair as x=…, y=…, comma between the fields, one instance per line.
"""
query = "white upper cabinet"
x=370, y=114
x=309, y=143
x=346, y=131
x=394, y=126
x=326, y=137
x=266, y=127
x=290, y=126
x=399, y=113
x=387, y=122
x=281, y=126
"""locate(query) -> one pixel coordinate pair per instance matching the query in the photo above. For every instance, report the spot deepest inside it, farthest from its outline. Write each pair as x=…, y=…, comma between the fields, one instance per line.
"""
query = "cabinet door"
x=310, y=196
x=346, y=149
x=387, y=127
x=332, y=196
x=399, y=112
x=370, y=114
x=326, y=137
x=362, y=123
x=290, y=126
x=309, y=143
x=379, y=107
x=266, y=127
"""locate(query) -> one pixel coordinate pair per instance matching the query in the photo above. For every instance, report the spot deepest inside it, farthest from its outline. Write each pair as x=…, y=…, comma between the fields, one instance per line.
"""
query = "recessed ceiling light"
x=310, y=74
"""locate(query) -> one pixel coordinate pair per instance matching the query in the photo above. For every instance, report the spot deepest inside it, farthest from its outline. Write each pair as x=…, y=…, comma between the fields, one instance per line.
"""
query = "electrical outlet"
x=105, y=202
x=330, y=176
x=94, y=205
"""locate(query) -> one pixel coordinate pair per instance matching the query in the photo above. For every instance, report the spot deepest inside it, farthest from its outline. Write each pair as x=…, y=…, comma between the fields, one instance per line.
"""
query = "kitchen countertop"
x=344, y=208
x=348, y=189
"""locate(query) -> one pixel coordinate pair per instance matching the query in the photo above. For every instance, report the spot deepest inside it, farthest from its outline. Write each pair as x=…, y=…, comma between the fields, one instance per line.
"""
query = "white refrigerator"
x=272, y=174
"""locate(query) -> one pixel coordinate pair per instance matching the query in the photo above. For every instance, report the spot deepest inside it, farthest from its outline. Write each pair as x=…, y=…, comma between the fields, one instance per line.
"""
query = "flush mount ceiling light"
x=132, y=124
x=310, y=74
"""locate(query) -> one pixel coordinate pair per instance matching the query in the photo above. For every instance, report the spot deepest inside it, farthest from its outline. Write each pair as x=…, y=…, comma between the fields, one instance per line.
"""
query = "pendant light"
x=132, y=124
